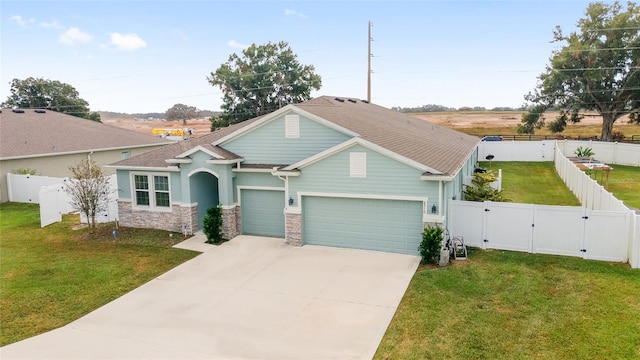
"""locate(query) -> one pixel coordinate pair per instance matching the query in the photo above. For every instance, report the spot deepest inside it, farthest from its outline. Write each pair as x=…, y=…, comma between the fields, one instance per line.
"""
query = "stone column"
x=293, y=229
x=229, y=222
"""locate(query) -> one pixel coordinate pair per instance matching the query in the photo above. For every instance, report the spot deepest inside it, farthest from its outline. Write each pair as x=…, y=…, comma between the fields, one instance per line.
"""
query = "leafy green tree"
x=181, y=112
x=481, y=190
x=262, y=79
x=38, y=93
x=597, y=69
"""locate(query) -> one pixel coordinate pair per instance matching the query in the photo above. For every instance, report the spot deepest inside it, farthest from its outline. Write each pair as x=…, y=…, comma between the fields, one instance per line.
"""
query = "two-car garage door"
x=373, y=224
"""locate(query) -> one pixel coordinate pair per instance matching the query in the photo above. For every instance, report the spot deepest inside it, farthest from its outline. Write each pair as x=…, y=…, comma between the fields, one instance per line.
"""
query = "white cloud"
x=127, y=42
x=236, y=45
x=50, y=25
x=20, y=21
x=74, y=36
x=290, y=12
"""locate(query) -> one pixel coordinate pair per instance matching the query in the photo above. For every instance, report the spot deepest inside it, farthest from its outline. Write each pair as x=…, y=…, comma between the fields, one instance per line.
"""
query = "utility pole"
x=369, y=66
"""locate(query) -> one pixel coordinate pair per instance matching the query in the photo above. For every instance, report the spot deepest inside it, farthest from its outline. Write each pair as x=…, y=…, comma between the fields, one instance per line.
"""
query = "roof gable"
x=442, y=149
x=359, y=141
x=276, y=115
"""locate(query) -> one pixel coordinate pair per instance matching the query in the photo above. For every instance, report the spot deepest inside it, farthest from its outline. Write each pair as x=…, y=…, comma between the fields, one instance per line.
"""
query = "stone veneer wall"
x=182, y=219
x=293, y=229
x=230, y=218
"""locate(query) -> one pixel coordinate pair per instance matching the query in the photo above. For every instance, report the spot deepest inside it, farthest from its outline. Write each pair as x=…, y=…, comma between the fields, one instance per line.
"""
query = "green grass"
x=624, y=183
x=51, y=276
x=509, y=305
x=533, y=183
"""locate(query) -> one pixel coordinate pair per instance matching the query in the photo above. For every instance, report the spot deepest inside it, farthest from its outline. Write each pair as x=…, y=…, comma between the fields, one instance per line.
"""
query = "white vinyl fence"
x=590, y=194
x=561, y=230
x=603, y=228
x=54, y=201
x=606, y=152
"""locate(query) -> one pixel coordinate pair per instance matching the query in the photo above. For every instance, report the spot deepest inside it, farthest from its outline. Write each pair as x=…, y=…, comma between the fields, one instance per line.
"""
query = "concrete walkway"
x=250, y=298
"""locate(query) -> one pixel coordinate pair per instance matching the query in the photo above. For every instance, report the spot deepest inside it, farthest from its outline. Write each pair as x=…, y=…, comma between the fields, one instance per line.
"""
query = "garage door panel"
x=386, y=225
x=262, y=212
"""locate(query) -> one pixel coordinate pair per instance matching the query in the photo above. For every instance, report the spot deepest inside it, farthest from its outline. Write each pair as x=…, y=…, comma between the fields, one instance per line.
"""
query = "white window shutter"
x=358, y=164
x=292, y=126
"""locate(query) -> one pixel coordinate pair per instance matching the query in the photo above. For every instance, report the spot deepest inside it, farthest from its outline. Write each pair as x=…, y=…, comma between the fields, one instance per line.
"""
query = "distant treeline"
x=106, y=115
x=442, y=108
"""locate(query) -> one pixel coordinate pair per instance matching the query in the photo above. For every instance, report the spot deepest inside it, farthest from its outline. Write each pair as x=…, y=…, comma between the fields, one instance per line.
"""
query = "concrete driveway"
x=250, y=298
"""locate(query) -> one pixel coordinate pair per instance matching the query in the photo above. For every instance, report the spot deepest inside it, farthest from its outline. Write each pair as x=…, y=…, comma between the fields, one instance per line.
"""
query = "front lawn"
x=51, y=276
x=533, y=183
x=510, y=305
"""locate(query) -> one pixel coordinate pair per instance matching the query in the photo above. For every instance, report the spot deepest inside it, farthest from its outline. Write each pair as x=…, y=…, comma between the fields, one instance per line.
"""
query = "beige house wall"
x=58, y=165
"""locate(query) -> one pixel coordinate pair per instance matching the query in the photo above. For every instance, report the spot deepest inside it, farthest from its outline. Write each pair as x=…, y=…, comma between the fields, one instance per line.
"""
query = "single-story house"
x=49, y=142
x=329, y=171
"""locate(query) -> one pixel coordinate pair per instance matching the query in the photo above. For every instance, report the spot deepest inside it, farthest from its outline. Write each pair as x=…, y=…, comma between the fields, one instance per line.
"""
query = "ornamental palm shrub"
x=430, y=245
x=212, y=225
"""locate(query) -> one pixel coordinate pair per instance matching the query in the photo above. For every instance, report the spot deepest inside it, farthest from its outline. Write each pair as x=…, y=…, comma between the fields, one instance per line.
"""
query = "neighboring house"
x=49, y=142
x=328, y=171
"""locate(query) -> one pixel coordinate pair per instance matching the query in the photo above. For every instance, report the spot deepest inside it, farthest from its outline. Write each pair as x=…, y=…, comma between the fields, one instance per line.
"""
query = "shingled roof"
x=434, y=146
x=28, y=133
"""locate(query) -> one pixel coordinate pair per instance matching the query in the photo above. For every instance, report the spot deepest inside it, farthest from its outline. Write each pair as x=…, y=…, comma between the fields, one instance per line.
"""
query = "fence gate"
x=50, y=198
x=509, y=226
x=557, y=230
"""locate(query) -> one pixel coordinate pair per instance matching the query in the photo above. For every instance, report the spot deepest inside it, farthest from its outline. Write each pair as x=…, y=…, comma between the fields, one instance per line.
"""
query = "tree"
x=262, y=79
x=38, y=93
x=89, y=190
x=181, y=112
x=481, y=190
x=598, y=69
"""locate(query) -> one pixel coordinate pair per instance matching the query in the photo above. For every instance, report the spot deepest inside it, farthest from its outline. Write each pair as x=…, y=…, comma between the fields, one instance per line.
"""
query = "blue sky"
x=146, y=56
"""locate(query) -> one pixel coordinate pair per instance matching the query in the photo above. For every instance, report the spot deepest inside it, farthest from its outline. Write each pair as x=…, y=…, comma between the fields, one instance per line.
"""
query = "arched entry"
x=203, y=186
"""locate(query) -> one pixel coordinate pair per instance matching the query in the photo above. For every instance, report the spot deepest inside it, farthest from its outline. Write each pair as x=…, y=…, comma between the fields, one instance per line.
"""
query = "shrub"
x=481, y=190
x=430, y=245
x=25, y=171
x=586, y=152
x=212, y=225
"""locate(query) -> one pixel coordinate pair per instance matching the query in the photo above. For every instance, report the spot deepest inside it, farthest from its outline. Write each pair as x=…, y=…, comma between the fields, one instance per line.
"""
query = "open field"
x=482, y=123
x=201, y=126
x=51, y=276
x=478, y=123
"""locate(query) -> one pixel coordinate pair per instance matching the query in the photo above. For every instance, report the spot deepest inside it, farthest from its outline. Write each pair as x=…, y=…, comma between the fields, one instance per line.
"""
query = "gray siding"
x=268, y=144
x=385, y=176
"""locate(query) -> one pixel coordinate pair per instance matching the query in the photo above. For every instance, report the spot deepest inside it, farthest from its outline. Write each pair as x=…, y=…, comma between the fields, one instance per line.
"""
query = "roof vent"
x=339, y=99
x=40, y=111
x=352, y=100
x=364, y=101
x=18, y=111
